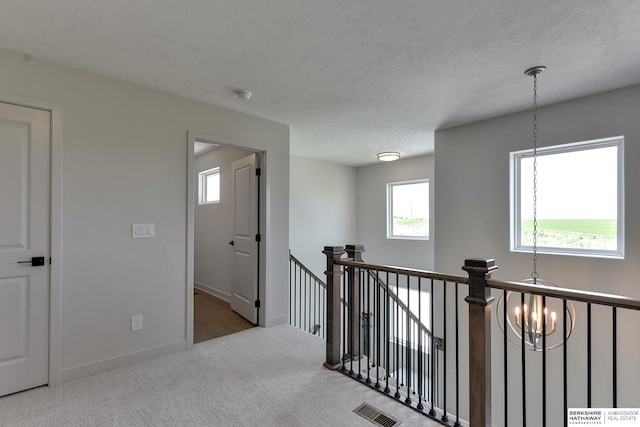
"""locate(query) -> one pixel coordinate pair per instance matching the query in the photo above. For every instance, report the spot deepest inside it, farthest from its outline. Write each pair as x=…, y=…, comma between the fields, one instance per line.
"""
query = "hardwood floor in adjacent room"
x=213, y=318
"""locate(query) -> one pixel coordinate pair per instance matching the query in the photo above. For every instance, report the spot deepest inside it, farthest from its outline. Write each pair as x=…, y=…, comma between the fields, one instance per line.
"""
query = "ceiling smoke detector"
x=244, y=94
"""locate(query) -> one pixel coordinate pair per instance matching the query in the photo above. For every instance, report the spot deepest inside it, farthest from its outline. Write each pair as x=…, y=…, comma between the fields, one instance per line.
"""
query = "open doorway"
x=226, y=206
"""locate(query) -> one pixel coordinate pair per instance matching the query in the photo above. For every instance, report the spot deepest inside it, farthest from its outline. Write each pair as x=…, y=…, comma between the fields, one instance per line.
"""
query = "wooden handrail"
x=566, y=293
x=406, y=271
x=306, y=270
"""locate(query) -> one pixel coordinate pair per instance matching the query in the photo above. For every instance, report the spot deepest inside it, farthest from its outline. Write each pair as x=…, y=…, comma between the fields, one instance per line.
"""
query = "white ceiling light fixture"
x=388, y=156
x=245, y=95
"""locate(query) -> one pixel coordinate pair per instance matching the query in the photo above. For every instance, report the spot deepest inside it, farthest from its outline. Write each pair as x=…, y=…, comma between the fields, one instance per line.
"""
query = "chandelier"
x=535, y=321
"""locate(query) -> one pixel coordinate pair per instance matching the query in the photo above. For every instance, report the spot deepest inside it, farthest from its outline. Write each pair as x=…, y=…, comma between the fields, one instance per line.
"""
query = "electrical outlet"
x=136, y=322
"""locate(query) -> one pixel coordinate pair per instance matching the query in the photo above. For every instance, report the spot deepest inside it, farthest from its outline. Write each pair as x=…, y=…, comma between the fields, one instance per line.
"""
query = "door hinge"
x=257, y=303
x=258, y=171
x=258, y=238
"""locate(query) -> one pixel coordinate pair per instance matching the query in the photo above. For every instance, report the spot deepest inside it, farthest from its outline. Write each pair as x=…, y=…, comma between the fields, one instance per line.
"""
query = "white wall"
x=214, y=225
x=472, y=200
x=372, y=213
x=472, y=220
x=124, y=161
x=322, y=209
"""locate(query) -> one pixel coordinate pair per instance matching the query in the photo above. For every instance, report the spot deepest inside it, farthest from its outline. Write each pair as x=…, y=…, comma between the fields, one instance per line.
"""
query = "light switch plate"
x=141, y=231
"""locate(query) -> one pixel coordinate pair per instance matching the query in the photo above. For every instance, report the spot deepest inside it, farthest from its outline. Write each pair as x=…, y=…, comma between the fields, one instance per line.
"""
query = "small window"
x=580, y=199
x=209, y=186
x=408, y=210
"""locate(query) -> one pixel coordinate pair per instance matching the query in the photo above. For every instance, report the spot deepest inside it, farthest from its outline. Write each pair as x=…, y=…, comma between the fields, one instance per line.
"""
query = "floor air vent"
x=376, y=416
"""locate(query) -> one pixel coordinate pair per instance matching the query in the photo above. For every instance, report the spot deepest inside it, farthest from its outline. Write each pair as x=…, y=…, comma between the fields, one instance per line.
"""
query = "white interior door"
x=24, y=234
x=245, y=241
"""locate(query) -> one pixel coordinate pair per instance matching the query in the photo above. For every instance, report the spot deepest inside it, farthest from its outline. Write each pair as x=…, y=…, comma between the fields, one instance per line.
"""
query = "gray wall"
x=322, y=209
x=214, y=225
x=472, y=200
x=332, y=204
x=472, y=220
x=124, y=160
x=372, y=213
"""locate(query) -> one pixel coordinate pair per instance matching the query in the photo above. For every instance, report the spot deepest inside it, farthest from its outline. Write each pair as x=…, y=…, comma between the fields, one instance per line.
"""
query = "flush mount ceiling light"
x=388, y=156
x=245, y=95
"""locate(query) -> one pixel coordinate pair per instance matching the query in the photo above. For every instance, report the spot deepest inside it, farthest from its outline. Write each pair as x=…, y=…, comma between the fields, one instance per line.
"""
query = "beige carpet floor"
x=258, y=377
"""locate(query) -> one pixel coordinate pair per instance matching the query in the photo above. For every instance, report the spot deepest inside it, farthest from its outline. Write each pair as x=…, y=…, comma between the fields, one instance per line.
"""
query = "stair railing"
x=596, y=368
x=307, y=299
x=308, y=295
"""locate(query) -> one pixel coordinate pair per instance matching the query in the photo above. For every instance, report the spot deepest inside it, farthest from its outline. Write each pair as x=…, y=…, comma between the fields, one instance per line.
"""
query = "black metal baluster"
x=313, y=292
x=320, y=306
x=350, y=319
x=324, y=306
x=444, y=417
x=457, y=423
x=307, y=281
x=368, y=326
x=504, y=359
x=360, y=313
x=311, y=303
x=408, y=343
x=615, y=357
x=324, y=309
x=296, y=307
x=564, y=361
x=387, y=335
x=303, y=320
x=291, y=282
x=345, y=301
x=397, y=355
x=420, y=349
x=523, y=363
x=432, y=410
x=544, y=362
x=377, y=334
x=588, y=355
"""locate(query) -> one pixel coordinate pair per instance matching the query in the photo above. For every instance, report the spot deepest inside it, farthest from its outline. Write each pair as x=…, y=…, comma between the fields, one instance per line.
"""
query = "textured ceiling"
x=352, y=77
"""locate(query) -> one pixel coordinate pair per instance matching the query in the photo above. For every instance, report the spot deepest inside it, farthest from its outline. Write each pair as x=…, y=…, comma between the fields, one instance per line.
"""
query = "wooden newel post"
x=333, y=273
x=355, y=252
x=479, y=300
x=355, y=336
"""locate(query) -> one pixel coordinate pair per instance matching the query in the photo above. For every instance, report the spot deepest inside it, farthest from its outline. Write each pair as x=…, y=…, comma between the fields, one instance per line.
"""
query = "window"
x=408, y=210
x=209, y=186
x=580, y=199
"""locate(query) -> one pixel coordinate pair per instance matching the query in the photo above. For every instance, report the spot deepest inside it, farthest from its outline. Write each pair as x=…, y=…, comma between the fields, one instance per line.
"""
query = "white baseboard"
x=213, y=291
x=278, y=320
x=89, y=369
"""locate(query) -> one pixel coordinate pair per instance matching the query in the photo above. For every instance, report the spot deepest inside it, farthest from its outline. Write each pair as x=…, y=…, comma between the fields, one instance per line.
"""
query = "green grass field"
x=586, y=226
x=410, y=227
x=599, y=234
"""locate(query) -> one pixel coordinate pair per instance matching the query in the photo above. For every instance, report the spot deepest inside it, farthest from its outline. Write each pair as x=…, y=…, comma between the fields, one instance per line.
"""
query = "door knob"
x=35, y=261
x=232, y=243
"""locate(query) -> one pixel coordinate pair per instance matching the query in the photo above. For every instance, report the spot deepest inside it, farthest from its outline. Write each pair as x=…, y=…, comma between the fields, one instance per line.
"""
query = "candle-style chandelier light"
x=535, y=321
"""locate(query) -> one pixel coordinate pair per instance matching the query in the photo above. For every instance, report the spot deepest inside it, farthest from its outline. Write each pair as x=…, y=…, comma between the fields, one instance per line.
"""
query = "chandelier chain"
x=534, y=274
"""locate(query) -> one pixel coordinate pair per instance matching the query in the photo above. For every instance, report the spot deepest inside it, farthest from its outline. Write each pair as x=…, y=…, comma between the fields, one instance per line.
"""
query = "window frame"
x=390, y=187
x=203, y=183
x=515, y=198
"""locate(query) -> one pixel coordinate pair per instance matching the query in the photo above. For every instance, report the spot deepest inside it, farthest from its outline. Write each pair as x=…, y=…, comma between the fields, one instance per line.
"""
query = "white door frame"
x=202, y=137
x=55, y=238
